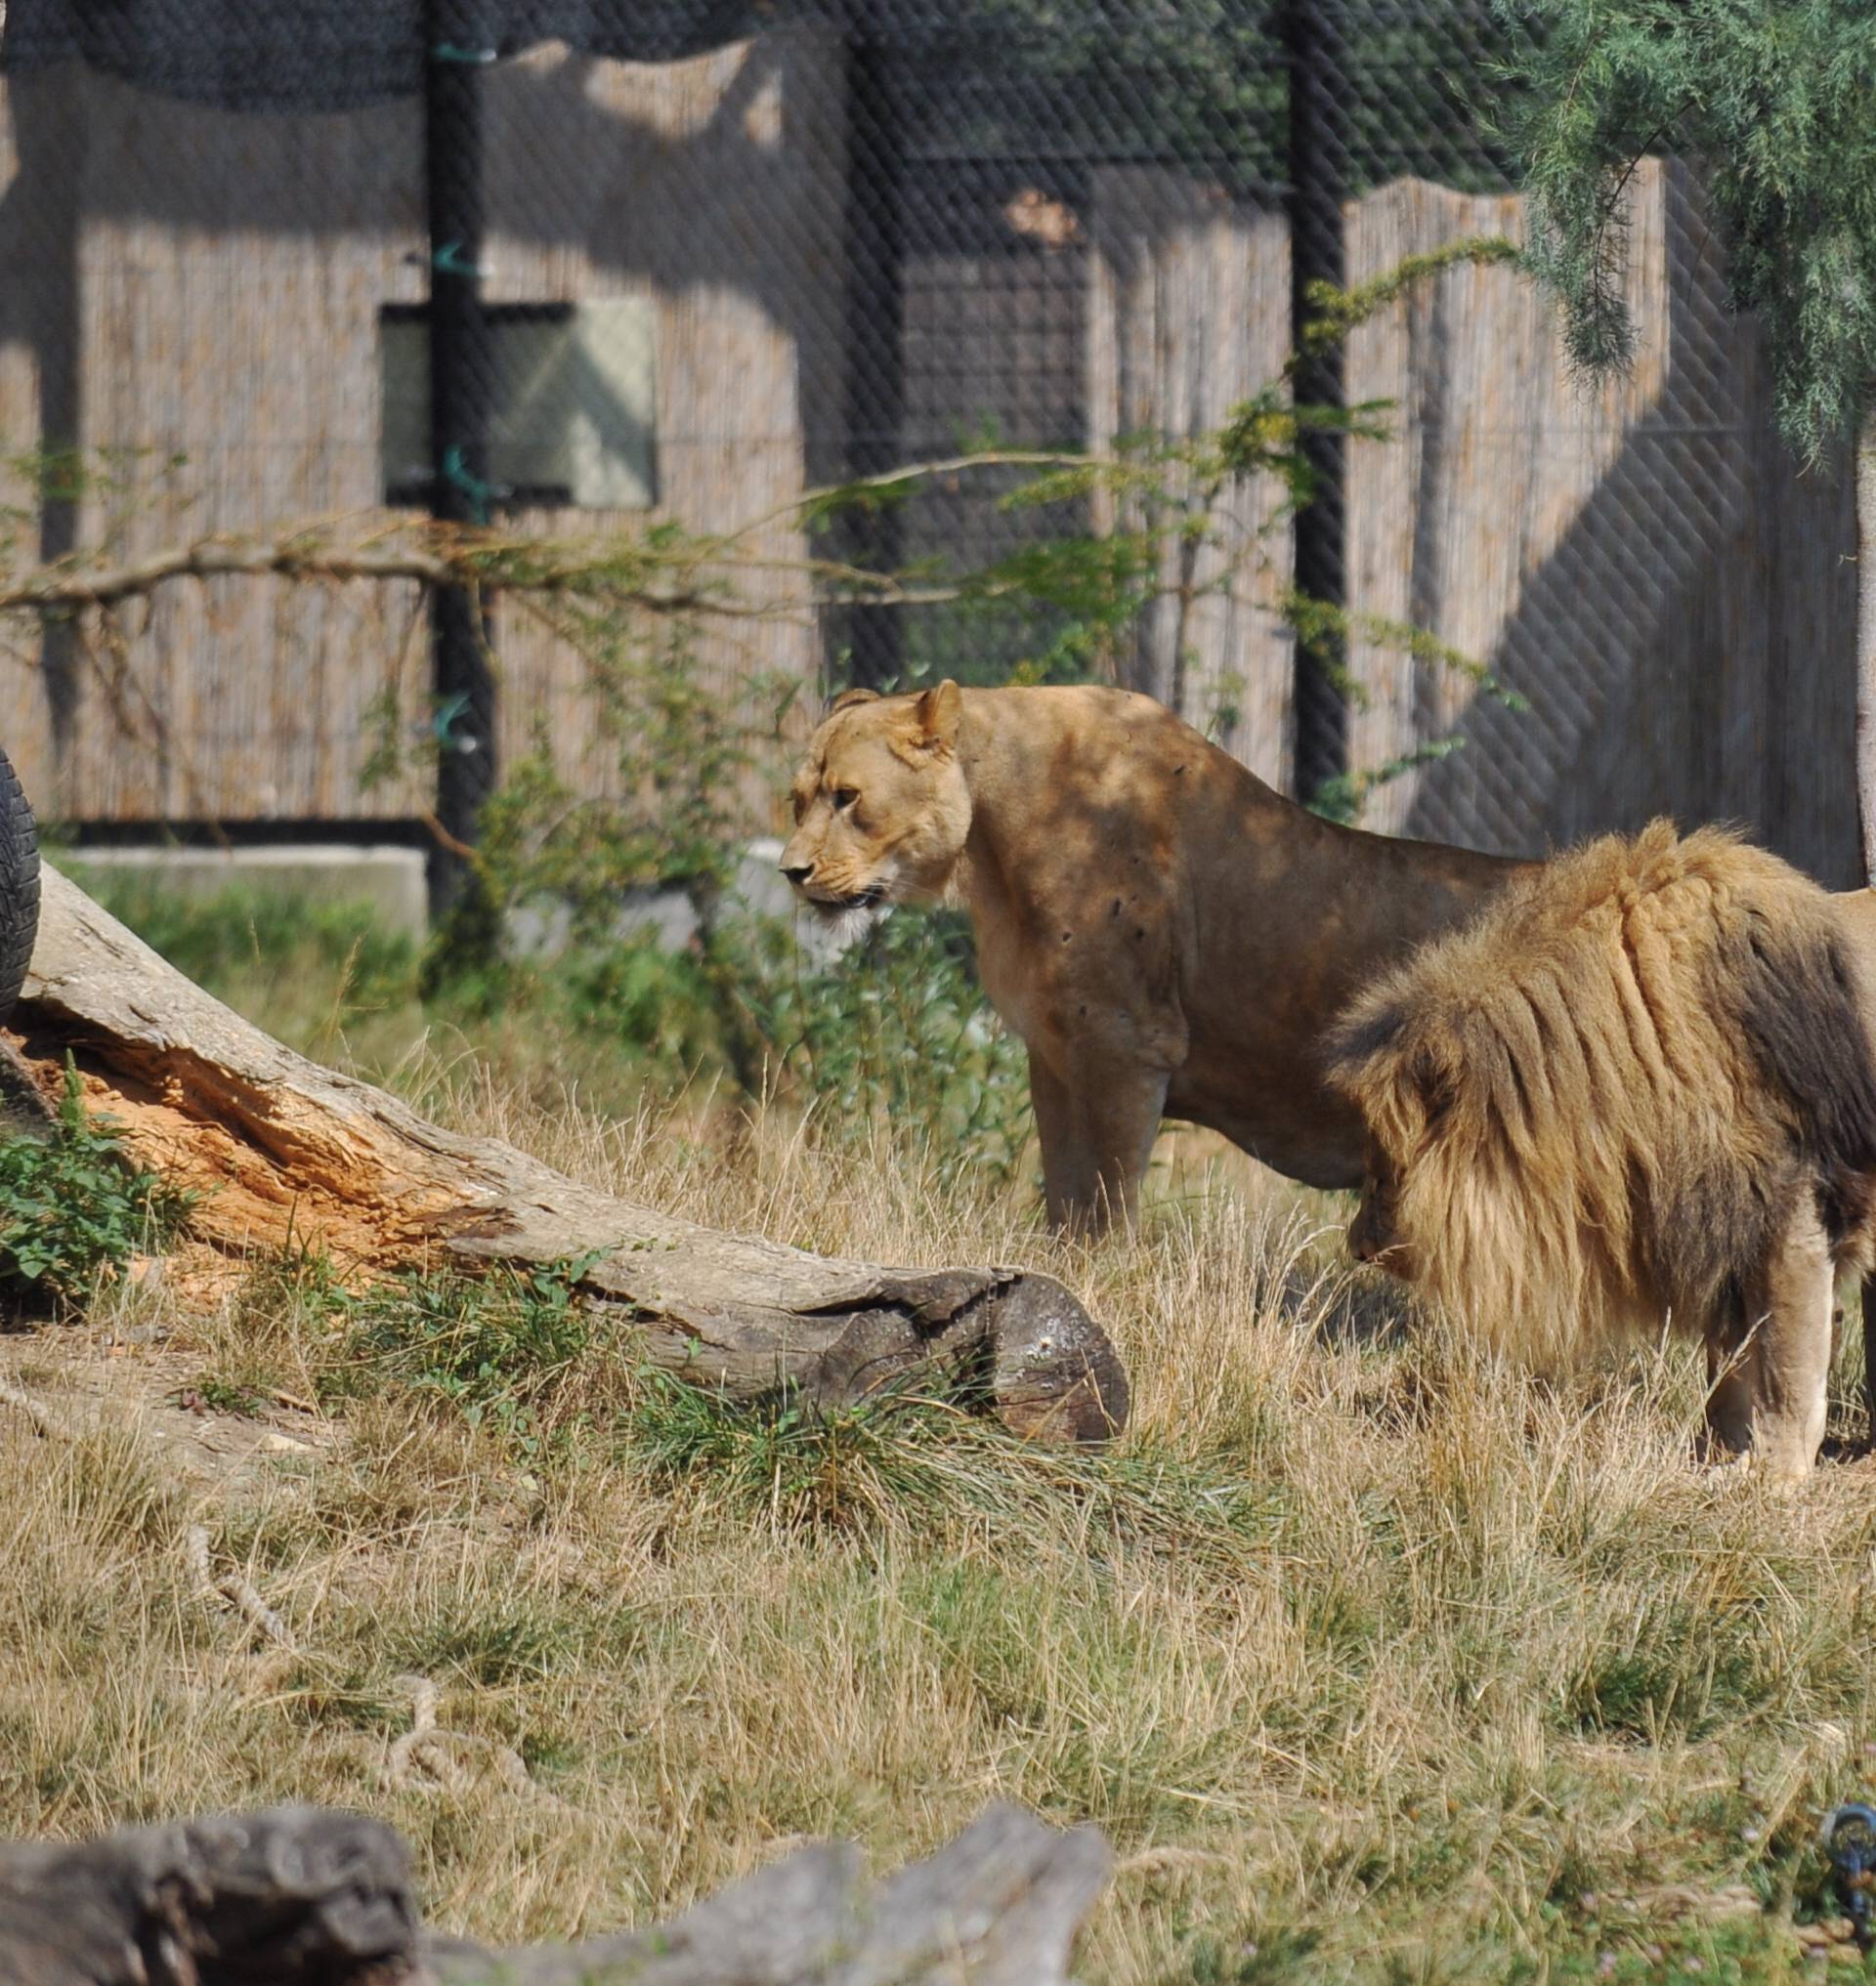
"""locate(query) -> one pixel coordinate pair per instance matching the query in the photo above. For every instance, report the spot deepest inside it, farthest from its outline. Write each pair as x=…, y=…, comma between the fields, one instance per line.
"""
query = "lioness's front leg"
x=1096, y=1135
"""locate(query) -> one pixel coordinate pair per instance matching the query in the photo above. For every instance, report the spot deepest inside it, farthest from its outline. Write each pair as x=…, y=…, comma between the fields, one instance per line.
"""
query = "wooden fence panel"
x=227, y=312
x=1639, y=561
x=1189, y=314
x=222, y=311
x=748, y=301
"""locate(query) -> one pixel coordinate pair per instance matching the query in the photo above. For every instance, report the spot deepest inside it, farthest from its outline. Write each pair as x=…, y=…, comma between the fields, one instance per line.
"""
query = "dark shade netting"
x=1202, y=81
x=340, y=55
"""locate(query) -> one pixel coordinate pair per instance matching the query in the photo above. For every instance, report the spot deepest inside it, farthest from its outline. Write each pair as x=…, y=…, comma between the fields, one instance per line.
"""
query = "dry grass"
x=1374, y=1661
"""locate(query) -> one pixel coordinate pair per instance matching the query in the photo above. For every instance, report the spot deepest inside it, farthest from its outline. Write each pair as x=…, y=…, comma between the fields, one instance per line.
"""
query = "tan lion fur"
x=1166, y=934
x=1609, y=1099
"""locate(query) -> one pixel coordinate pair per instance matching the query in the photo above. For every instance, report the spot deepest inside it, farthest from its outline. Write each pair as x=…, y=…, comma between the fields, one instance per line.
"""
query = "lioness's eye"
x=844, y=798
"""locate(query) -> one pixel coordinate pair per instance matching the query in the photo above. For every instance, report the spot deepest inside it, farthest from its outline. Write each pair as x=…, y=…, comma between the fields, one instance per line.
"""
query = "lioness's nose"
x=796, y=871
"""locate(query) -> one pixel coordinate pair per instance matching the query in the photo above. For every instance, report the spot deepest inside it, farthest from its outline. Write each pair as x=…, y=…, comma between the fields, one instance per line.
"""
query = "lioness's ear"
x=847, y=699
x=938, y=712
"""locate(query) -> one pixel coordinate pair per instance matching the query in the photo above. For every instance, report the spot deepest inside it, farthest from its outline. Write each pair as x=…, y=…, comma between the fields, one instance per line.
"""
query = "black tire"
x=18, y=887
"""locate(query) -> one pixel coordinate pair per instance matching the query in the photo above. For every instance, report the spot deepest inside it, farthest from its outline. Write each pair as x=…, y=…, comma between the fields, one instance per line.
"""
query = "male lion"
x=1164, y=932
x=1639, y=1085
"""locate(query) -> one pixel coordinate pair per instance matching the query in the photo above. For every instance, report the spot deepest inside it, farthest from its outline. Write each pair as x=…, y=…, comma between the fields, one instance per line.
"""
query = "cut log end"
x=1056, y=1374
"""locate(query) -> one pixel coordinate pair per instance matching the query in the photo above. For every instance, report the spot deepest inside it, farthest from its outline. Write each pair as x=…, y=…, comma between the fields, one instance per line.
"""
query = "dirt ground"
x=141, y=1368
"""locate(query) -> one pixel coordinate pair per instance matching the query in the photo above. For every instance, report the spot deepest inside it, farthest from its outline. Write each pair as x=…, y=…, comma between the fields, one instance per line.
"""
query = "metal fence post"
x=874, y=334
x=1318, y=159
x=461, y=355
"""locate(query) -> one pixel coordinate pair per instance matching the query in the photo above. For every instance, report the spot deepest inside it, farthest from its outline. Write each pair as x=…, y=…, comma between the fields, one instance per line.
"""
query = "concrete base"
x=390, y=880
x=540, y=930
x=387, y=878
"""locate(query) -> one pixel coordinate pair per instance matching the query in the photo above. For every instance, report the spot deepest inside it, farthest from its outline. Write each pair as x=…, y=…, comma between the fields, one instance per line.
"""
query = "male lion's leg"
x=1733, y=1361
x=1870, y=1354
x=1793, y=1367
x=1097, y=1134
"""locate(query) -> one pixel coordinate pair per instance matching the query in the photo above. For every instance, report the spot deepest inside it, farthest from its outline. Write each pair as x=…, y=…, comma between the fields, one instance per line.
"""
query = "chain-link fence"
x=568, y=265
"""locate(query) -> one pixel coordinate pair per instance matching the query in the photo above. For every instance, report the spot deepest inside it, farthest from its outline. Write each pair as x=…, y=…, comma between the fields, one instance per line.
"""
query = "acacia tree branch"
x=294, y=557
x=478, y=566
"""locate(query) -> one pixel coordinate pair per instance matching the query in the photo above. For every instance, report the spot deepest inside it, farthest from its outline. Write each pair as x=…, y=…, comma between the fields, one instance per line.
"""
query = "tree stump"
x=281, y=1150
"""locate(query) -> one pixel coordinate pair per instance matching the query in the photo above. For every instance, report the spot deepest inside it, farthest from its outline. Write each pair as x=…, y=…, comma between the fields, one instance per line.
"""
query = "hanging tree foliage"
x=1774, y=99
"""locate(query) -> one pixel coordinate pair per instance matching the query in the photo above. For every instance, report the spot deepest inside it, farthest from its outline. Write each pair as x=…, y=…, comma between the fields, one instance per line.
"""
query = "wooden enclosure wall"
x=1189, y=314
x=222, y=311
x=225, y=309
x=1642, y=563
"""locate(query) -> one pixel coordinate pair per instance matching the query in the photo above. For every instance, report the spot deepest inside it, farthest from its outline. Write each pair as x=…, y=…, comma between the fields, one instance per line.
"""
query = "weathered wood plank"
x=1189, y=314
x=1641, y=559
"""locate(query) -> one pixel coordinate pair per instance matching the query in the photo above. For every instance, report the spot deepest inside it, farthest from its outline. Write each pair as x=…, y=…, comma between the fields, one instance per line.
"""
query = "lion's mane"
x=1601, y=1100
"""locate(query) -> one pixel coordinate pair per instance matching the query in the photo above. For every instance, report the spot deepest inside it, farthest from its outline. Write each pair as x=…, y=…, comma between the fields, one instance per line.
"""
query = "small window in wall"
x=571, y=413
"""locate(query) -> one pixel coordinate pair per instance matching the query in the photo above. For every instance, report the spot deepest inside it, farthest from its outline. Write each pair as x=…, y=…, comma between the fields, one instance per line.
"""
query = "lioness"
x=1165, y=932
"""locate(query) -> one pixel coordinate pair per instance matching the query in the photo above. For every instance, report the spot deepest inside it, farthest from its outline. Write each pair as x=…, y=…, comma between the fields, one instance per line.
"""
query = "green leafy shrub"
x=230, y=935
x=494, y=1346
x=660, y=1004
x=897, y=1033
x=73, y=1206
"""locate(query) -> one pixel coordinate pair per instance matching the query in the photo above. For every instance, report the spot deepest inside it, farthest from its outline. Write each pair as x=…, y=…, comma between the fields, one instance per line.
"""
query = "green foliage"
x=494, y=1346
x=72, y=1206
x=802, y=1463
x=505, y=1638
x=270, y=940
x=909, y=1458
x=897, y=1034
x=659, y=1003
x=1340, y=798
x=225, y=1396
x=1774, y=97
x=1203, y=84
x=1337, y=311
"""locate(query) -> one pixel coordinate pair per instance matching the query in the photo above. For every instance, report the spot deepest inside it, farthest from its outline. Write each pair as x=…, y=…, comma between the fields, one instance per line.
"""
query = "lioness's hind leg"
x=1792, y=1370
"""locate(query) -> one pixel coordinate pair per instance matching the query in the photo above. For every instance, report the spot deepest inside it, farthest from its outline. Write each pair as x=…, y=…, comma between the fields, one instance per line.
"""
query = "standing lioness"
x=1166, y=933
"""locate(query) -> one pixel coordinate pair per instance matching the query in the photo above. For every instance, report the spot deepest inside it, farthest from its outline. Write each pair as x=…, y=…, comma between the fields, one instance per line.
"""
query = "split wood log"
x=281, y=1151
x=302, y=1896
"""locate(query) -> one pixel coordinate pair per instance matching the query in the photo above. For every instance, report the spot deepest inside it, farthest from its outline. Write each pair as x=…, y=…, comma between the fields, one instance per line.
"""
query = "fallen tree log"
x=281, y=1150
x=302, y=1896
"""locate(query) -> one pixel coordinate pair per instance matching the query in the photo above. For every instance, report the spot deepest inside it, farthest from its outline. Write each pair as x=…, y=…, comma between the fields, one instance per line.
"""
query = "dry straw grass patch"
x=1376, y=1660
